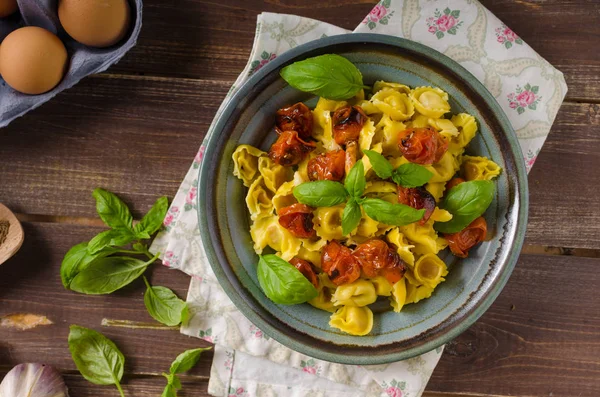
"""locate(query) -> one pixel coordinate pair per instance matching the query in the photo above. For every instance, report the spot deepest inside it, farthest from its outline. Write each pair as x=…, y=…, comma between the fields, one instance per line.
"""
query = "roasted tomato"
x=327, y=166
x=297, y=218
x=347, y=124
x=422, y=145
x=377, y=258
x=461, y=242
x=297, y=118
x=339, y=263
x=453, y=182
x=289, y=149
x=306, y=268
x=418, y=198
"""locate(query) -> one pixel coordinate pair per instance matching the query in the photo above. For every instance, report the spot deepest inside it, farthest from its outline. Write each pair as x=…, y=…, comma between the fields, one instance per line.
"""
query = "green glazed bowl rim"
x=226, y=278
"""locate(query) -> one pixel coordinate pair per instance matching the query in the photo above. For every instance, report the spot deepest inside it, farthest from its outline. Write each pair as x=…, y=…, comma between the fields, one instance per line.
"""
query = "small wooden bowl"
x=11, y=234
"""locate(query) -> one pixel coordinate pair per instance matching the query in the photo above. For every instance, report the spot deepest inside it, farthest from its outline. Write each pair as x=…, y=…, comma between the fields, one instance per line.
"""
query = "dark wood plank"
x=212, y=40
x=141, y=145
x=542, y=332
x=30, y=283
x=539, y=338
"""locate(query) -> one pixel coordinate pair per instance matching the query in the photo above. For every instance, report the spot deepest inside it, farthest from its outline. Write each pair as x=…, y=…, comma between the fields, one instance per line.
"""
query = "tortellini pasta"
x=359, y=293
x=391, y=108
x=479, y=168
x=353, y=320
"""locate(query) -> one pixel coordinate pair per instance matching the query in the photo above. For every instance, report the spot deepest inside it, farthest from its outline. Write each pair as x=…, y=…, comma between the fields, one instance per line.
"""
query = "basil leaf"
x=96, y=357
x=351, y=217
x=391, y=214
x=411, y=175
x=77, y=259
x=466, y=202
x=113, y=237
x=106, y=275
x=187, y=360
x=153, y=220
x=320, y=193
x=164, y=306
x=380, y=165
x=282, y=282
x=112, y=210
x=355, y=181
x=329, y=76
x=169, y=391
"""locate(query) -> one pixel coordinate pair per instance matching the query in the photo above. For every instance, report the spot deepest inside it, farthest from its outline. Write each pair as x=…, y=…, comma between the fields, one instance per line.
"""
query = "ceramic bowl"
x=472, y=284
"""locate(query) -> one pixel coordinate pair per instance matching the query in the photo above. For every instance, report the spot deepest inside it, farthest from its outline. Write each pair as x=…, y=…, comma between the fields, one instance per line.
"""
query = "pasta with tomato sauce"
x=410, y=129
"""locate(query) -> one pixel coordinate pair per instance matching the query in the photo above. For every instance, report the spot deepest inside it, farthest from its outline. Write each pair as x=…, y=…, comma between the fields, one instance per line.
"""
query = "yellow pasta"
x=391, y=108
x=352, y=320
x=245, y=163
x=479, y=168
x=359, y=293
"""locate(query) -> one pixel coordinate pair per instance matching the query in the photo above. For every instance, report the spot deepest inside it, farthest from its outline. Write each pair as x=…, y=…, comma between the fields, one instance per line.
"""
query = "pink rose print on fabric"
x=171, y=260
x=507, y=37
x=207, y=335
x=190, y=197
x=265, y=58
x=171, y=218
x=530, y=159
x=257, y=333
x=394, y=388
x=380, y=14
x=444, y=23
x=524, y=98
x=310, y=367
x=237, y=392
x=199, y=156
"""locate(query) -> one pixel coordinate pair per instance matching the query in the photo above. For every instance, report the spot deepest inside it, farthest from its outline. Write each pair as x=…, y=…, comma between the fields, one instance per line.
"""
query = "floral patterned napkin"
x=247, y=362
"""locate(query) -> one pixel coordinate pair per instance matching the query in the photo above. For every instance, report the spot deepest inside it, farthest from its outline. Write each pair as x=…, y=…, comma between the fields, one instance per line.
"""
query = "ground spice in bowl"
x=4, y=226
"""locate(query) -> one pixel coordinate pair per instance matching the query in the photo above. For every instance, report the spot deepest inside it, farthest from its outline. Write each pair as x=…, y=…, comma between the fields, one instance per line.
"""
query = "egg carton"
x=83, y=60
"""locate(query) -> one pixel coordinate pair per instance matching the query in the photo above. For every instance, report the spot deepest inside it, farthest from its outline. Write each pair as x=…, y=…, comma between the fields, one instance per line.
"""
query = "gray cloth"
x=83, y=60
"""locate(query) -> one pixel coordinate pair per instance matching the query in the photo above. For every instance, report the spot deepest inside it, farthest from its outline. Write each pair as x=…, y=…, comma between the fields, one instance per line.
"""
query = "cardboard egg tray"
x=82, y=62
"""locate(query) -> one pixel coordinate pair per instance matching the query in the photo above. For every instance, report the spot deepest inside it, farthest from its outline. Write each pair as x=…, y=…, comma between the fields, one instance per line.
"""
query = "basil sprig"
x=97, y=358
x=183, y=363
x=407, y=175
x=466, y=202
x=329, y=76
x=164, y=306
x=283, y=283
x=333, y=193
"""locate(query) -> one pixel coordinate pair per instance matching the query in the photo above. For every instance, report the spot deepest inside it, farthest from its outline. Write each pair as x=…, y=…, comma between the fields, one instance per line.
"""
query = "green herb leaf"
x=187, y=360
x=411, y=175
x=320, y=193
x=113, y=237
x=112, y=210
x=351, y=217
x=106, y=275
x=380, y=164
x=391, y=214
x=355, y=181
x=169, y=391
x=329, y=76
x=77, y=259
x=282, y=282
x=153, y=220
x=466, y=202
x=164, y=306
x=96, y=357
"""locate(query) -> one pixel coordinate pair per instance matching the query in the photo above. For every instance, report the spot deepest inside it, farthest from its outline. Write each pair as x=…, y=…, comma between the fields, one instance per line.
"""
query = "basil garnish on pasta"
x=407, y=175
x=282, y=282
x=320, y=193
x=351, y=216
x=391, y=214
x=329, y=76
x=466, y=202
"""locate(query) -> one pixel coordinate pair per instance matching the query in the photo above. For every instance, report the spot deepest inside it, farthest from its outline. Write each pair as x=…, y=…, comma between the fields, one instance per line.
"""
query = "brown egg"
x=8, y=7
x=98, y=23
x=32, y=60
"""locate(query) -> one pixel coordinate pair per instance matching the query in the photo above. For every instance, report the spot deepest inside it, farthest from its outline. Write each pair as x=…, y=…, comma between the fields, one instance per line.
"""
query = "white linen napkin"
x=247, y=362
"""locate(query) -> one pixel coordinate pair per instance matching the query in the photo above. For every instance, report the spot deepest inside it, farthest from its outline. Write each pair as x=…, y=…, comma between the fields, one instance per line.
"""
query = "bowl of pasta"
x=362, y=199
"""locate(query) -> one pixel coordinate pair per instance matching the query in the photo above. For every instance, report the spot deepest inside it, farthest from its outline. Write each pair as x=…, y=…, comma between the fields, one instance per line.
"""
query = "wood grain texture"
x=212, y=40
x=140, y=147
x=530, y=332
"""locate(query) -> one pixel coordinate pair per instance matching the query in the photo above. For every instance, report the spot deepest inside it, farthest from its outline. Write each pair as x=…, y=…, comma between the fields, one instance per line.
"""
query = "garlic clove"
x=33, y=380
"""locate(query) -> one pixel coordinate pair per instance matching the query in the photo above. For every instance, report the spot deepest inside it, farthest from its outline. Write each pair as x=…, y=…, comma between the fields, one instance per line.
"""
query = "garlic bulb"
x=33, y=380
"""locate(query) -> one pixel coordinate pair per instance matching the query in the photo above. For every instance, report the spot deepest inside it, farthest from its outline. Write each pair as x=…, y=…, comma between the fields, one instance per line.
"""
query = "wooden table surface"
x=135, y=129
